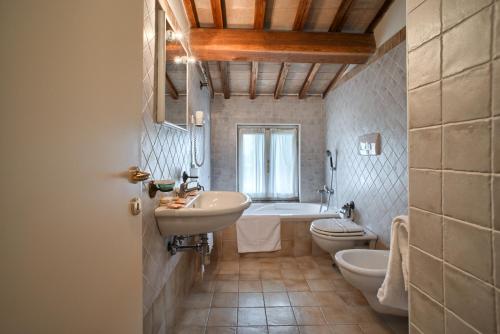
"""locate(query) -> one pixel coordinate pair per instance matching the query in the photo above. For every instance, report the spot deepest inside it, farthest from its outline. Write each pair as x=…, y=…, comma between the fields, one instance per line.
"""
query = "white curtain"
x=283, y=171
x=251, y=156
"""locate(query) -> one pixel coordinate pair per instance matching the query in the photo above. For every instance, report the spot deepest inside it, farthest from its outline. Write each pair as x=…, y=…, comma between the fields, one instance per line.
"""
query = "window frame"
x=267, y=130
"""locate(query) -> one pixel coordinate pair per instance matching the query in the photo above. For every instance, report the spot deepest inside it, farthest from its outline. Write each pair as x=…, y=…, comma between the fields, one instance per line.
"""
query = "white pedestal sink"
x=209, y=211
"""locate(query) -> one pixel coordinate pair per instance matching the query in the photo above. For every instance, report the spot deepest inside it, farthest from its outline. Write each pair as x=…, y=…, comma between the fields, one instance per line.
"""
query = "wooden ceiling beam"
x=309, y=79
x=301, y=15
x=253, y=80
x=280, y=46
x=206, y=69
x=192, y=14
x=217, y=13
x=335, y=79
x=341, y=16
x=224, y=76
x=169, y=85
x=280, y=83
x=380, y=14
x=260, y=14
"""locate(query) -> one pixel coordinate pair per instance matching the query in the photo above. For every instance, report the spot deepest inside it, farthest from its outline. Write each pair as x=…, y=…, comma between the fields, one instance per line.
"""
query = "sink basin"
x=209, y=211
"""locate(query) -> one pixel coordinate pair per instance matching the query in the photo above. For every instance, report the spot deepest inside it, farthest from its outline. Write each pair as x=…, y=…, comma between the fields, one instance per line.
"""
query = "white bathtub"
x=290, y=210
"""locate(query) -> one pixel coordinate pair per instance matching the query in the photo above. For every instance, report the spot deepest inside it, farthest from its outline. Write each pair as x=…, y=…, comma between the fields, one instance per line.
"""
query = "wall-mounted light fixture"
x=172, y=36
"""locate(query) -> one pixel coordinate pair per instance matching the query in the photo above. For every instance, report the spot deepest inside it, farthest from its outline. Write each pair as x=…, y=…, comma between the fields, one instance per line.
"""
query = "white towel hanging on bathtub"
x=394, y=289
x=258, y=234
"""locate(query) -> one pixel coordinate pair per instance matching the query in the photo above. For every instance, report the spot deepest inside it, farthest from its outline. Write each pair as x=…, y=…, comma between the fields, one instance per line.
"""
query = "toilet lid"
x=337, y=226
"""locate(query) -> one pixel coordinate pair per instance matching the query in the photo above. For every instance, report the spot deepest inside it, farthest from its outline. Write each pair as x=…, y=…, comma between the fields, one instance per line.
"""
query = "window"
x=268, y=162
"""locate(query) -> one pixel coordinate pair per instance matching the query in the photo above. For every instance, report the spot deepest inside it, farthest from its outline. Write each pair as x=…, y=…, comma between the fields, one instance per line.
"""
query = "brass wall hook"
x=136, y=175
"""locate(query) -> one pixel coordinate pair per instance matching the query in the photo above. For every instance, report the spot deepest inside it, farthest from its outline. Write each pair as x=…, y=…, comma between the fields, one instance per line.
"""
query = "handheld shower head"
x=329, y=155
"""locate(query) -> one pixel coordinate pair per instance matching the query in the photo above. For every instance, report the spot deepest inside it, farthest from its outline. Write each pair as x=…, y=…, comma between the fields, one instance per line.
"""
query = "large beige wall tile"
x=496, y=86
x=496, y=202
x=428, y=17
x=496, y=50
x=457, y=325
x=468, y=43
x=424, y=105
x=425, y=190
x=424, y=64
x=425, y=148
x=466, y=95
x=470, y=299
x=496, y=257
x=466, y=146
x=455, y=11
x=426, y=273
x=496, y=145
x=469, y=248
x=426, y=232
x=425, y=313
x=467, y=197
x=412, y=4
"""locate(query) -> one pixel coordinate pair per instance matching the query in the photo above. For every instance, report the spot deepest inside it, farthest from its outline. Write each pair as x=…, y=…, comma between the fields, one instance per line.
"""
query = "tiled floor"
x=280, y=295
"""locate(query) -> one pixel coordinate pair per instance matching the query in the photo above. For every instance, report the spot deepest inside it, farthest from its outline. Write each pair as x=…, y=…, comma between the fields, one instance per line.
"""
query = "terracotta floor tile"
x=229, y=267
x=346, y=329
x=309, y=316
x=375, y=328
x=225, y=299
x=339, y=315
x=292, y=274
x=304, y=298
x=226, y=286
x=270, y=274
x=193, y=317
x=251, y=299
x=277, y=316
x=320, y=285
x=203, y=286
x=342, y=285
x=252, y=330
x=296, y=285
x=220, y=330
x=198, y=300
x=249, y=275
x=189, y=330
x=273, y=286
x=250, y=286
x=222, y=316
x=352, y=298
x=283, y=330
x=315, y=330
x=313, y=274
x=227, y=277
x=273, y=299
x=329, y=298
x=251, y=316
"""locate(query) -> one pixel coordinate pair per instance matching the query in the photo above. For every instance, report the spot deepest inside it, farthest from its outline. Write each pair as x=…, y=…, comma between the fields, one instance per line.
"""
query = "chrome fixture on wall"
x=329, y=189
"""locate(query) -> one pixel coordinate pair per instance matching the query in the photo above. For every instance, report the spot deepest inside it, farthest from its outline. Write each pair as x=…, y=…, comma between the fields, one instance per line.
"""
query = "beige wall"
x=166, y=154
x=372, y=101
x=454, y=142
x=309, y=113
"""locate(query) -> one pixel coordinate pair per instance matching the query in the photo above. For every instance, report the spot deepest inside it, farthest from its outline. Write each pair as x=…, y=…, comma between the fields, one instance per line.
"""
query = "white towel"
x=394, y=289
x=258, y=234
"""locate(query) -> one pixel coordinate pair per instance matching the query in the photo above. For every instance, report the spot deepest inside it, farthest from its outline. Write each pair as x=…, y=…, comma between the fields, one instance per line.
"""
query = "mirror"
x=171, y=75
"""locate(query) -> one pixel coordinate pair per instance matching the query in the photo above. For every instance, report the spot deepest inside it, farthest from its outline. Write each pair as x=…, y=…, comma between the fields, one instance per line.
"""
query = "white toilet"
x=365, y=269
x=334, y=234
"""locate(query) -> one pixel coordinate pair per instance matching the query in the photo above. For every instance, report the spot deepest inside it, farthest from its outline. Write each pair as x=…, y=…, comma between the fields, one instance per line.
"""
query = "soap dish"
x=160, y=185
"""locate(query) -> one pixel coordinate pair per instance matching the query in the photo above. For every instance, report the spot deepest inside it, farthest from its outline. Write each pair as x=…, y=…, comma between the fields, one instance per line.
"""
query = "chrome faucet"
x=184, y=188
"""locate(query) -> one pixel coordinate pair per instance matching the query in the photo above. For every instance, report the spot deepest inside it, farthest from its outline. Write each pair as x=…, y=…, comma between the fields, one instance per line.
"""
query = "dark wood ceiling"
x=286, y=73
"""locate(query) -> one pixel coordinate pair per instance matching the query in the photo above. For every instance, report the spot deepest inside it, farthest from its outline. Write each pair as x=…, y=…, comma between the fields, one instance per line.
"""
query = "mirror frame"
x=160, y=66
